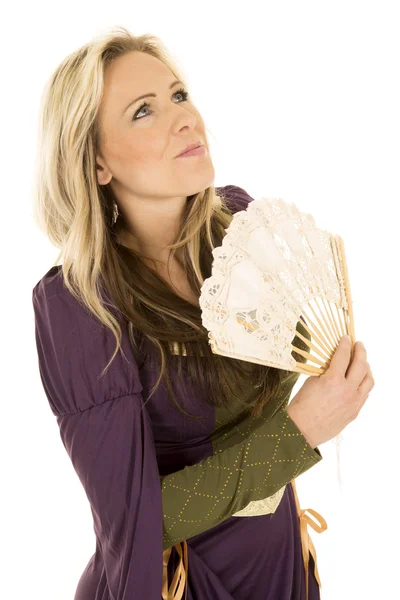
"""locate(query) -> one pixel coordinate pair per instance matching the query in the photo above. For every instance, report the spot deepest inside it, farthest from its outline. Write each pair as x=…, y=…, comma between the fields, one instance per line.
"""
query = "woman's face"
x=139, y=147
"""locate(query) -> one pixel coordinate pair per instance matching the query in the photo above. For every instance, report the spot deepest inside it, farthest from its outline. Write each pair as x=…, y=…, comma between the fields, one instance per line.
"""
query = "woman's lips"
x=196, y=152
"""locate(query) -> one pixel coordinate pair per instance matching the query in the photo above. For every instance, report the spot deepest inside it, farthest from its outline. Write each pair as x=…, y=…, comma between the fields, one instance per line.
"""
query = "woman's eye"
x=184, y=93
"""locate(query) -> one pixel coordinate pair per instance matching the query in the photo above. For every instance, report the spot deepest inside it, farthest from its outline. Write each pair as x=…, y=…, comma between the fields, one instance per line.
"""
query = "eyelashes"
x=182, y=91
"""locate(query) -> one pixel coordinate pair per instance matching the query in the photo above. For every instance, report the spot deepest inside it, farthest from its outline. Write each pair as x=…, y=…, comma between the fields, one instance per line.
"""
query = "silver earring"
x=115, y=213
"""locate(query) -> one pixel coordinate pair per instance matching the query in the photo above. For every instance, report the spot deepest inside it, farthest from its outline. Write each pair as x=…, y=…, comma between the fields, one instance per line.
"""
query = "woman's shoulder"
x=74, y=347
x=237, y=198
x=51, y=280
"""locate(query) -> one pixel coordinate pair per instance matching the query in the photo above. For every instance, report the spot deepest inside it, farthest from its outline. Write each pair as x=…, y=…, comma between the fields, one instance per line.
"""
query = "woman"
x=184, y=478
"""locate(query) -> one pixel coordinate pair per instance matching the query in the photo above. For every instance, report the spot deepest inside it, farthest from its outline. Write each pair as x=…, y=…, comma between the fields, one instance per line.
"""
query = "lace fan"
x=274, y=268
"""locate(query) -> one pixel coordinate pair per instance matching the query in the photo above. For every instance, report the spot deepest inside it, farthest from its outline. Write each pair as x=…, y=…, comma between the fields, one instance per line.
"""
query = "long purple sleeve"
x=109, y=440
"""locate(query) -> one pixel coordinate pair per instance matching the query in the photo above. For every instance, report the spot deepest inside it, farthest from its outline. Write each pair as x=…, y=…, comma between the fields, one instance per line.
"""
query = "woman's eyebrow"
x=148, y=95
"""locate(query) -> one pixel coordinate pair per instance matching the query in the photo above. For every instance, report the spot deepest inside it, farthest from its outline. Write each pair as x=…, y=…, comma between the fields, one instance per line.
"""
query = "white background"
x=301, y=101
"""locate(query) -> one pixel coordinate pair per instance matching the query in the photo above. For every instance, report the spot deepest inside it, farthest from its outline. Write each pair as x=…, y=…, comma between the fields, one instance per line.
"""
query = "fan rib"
x=309, y=369
x=323, y=329
x=308, y=356
x=334, y=321
x=316, y=335
x=311, y=345
x=325, y=315
x=350, y=322
x=341, y=319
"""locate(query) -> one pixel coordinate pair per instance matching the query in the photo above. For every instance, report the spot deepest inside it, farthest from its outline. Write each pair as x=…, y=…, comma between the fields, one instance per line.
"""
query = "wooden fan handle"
x=347, y=290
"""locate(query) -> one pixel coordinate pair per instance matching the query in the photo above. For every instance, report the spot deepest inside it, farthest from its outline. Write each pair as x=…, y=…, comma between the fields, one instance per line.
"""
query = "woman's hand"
x=325, y=405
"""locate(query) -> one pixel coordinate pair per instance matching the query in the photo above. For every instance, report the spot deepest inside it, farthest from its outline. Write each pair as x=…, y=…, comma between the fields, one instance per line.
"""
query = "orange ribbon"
x=307, y=545
x=179, y=582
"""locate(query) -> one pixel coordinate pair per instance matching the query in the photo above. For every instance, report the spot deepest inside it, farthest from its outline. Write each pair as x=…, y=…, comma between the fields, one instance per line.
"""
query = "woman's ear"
x=104, y=175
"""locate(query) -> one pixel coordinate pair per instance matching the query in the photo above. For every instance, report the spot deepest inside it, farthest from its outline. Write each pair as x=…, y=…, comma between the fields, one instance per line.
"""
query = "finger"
x=340, y=359
x=367, y=381
x=358, y=368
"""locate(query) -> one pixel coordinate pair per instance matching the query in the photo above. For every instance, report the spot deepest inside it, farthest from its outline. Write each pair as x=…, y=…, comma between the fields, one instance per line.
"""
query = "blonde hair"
x=79, y=217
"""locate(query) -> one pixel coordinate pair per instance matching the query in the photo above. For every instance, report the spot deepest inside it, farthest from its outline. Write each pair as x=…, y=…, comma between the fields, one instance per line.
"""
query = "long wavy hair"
x=81, y=218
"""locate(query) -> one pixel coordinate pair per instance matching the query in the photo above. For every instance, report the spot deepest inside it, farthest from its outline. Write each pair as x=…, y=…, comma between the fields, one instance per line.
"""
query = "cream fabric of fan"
x=272, y=262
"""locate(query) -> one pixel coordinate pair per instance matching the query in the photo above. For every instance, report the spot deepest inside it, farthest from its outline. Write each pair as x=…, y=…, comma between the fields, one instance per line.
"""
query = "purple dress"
x=124, y=450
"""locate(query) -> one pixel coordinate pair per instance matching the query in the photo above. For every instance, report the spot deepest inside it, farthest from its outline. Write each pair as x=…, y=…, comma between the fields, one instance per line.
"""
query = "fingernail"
x=347, y=337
